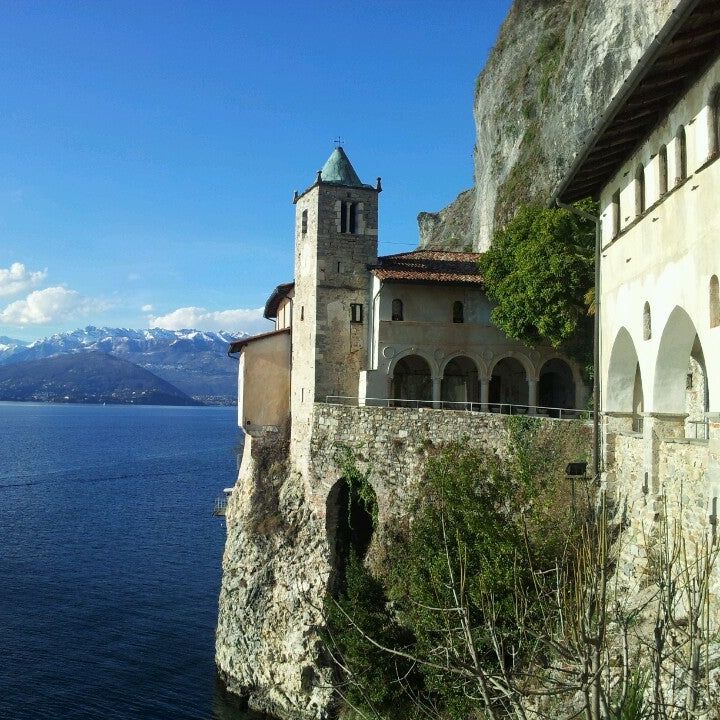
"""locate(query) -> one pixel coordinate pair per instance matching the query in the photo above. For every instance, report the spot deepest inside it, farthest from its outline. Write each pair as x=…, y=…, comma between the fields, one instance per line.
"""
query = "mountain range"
x=88, y=377
x=194, y=361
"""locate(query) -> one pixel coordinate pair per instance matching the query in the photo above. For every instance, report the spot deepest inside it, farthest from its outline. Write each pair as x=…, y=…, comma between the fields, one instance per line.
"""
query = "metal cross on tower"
x=338, y=141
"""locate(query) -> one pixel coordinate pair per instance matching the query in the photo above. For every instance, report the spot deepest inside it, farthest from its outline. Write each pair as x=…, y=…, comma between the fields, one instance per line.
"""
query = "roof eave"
x=679, y=15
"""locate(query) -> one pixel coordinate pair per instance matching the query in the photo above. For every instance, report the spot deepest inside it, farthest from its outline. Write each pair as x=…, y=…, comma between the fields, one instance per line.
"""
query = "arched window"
x=647, y=322
x=349, y=213
x=343, y=217
x=397, y=309
x=714, y=121
x=662, y=171
x=640, y=190
x=680, y=155
x=616, y=213
x=714, y=302
x=458, y=312
x=304, y=222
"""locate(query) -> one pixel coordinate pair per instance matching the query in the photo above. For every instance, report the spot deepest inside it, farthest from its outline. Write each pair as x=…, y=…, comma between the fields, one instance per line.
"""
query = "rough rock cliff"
x=274, y=578
x=555, y=66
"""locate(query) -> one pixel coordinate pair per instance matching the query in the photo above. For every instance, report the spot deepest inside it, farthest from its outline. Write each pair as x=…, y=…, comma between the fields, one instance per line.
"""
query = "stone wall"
x=276, y=565
x=682, y=498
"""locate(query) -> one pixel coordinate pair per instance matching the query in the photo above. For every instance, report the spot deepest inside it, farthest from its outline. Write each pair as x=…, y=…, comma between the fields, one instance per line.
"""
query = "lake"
x=110, y=560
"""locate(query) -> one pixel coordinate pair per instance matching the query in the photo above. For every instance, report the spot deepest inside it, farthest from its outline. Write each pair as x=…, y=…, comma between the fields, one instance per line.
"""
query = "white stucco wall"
x=666, y=258
x=427, y=330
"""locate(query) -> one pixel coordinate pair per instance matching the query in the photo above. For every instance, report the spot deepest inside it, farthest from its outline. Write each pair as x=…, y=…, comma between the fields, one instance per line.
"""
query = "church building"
x=405, y=330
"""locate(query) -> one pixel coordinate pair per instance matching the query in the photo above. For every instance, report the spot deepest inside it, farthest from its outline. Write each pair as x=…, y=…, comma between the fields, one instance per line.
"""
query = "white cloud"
x=195, y=318
x=51, y=305
x=147, y=308
x=17, y=279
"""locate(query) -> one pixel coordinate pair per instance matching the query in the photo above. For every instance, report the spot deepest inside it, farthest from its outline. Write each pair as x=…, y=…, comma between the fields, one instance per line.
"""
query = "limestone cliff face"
x=275, y=573
x=554, y=68
x=452, y=227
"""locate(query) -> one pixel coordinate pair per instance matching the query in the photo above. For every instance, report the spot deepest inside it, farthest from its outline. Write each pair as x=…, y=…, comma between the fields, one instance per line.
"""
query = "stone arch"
x=460, y=380
x=523, y=359
x=679, y=345
x=508, y=381
x=624, y=387
x=349, y=525
x=714, y=301
x=556, y=384
x=412, y=377
x=401, y=354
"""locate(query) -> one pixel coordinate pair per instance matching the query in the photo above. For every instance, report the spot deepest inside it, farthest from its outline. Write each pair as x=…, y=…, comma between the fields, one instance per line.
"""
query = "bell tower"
x=336, y=233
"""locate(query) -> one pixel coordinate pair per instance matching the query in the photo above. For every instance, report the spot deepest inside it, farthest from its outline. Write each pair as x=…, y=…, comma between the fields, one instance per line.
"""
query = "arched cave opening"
x=350, y=523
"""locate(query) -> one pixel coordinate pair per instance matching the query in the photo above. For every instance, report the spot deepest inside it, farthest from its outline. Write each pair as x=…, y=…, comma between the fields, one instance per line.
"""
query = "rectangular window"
x=356, y=312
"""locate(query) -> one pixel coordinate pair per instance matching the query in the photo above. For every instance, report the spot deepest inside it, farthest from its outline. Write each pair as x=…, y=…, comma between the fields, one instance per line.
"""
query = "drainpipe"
x=596, y=335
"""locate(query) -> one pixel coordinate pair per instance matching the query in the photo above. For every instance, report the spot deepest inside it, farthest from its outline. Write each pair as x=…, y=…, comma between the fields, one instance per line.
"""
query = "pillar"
x=484, y=394
x=532, y=396
x=436, y=391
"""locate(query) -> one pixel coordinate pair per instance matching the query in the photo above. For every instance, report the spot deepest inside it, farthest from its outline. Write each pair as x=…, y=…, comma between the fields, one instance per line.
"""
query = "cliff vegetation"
x=426, y=629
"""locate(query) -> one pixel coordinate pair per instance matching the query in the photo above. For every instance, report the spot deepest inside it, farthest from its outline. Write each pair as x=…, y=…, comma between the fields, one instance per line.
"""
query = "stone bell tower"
x=336, y=229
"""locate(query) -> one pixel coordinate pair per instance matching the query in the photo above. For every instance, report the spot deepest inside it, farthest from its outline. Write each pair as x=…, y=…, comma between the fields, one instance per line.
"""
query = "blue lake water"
x=110, y=560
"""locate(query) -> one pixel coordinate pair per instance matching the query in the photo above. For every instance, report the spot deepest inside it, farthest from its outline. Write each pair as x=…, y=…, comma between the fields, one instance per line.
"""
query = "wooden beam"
x=692, y=38
x=661, y=81
x=682, y=58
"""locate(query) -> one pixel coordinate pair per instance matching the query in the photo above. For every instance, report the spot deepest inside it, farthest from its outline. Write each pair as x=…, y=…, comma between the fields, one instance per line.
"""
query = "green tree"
x=539, y=270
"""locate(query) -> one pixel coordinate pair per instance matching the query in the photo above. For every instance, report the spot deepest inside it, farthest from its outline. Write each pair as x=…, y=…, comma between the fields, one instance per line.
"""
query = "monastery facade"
x=652, y=162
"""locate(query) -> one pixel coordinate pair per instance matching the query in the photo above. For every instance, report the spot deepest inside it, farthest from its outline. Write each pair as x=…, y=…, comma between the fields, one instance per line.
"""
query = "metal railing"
x=697, y=429
x=498, y=408
x=220, y=505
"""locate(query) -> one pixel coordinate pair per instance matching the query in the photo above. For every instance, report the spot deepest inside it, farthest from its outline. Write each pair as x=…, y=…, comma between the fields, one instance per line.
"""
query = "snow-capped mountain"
x=194, y=361
x=8, y=345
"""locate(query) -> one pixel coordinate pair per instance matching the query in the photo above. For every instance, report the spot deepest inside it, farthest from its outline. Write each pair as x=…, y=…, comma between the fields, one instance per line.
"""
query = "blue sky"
x=150, y=149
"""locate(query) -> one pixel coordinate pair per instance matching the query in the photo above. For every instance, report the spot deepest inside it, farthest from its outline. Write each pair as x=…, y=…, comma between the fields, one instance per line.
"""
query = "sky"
x=149, y=149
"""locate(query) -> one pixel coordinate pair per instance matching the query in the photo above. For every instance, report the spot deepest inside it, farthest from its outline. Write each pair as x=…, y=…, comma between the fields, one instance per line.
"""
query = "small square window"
x=356, y=312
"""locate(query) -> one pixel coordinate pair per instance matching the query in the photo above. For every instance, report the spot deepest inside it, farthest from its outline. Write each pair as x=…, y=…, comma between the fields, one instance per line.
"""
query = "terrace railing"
x=499, y=408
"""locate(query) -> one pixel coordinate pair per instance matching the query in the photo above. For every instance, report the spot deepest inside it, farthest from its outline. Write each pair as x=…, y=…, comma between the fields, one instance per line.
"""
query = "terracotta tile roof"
x=430, y=266
x=238, y=345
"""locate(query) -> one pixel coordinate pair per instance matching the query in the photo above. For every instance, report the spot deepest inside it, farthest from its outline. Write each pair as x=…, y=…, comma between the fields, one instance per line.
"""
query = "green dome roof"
x=339, y=171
